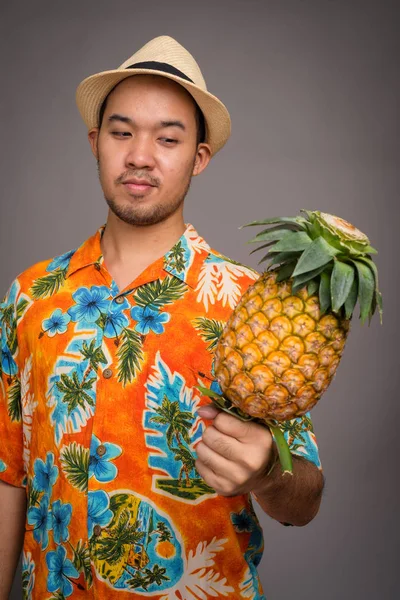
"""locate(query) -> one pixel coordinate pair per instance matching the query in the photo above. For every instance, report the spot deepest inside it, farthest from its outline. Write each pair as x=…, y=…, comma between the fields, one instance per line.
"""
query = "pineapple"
x=283, y=342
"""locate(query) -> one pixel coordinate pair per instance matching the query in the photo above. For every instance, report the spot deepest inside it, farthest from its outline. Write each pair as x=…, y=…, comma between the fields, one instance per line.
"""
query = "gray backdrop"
x=313, y=90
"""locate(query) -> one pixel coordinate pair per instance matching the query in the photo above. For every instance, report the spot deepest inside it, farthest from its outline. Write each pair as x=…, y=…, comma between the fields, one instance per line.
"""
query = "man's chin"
x=140, y=218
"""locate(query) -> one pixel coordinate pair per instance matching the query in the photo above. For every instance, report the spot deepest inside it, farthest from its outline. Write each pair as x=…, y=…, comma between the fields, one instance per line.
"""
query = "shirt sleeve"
x=11, y=424
x=299, y=434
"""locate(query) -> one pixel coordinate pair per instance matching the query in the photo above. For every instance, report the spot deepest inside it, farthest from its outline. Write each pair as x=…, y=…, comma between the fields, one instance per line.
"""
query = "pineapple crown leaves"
x=328, y=255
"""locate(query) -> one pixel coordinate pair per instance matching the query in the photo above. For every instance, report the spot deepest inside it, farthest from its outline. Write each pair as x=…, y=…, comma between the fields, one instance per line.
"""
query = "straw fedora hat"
x=161, y=56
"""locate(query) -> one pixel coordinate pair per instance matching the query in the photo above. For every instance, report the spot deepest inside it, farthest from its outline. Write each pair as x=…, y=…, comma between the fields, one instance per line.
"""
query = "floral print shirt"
x=99, y=423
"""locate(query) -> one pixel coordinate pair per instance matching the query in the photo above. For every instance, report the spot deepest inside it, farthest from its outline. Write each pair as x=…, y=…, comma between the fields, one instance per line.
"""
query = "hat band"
x=160, y=66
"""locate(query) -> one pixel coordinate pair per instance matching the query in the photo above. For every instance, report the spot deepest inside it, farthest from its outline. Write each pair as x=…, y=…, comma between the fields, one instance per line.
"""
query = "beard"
x=145, y=214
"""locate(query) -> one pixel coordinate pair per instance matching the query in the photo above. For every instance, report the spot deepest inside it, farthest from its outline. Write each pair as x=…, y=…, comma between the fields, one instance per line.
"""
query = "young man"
x=116, y=473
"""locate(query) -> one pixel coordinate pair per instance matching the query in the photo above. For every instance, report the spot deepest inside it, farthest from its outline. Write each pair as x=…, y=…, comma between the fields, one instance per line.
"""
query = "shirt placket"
x=99, y=492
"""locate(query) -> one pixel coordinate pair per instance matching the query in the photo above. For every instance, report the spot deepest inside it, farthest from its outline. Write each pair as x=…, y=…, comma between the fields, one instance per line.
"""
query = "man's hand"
x=12, y=525
x=233, y=455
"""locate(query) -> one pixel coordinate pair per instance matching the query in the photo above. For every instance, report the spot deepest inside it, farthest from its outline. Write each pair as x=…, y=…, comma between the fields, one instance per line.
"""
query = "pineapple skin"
x=277, y=354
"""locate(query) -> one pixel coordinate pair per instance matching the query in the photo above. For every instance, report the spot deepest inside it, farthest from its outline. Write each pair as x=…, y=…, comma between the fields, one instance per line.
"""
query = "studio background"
x=313, y=91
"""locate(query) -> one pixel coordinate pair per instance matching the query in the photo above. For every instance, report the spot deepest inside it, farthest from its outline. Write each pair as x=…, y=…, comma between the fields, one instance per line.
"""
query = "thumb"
x=208, y=412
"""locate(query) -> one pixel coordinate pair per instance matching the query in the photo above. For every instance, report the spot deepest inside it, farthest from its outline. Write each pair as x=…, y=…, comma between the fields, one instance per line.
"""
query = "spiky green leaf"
x=325, y=291
x=370, y=250
x=280, y=257
x=22, y=304
x=318, y=254
x=301, y=280
x=75, y=464
x=378, y=295
x=33, y=495
x=262, y=247
x=130, y=356
x=157, y=294
x=49, y=284
x=210, y=330
x=351, y=299
x=293, y=241
x=14, y=401
x=341, y=281
x=366, y=288
x=207, y=392
x=269, y=235
x=312, y=287
x=285, y=271
x=81, y=561
x=297, y=221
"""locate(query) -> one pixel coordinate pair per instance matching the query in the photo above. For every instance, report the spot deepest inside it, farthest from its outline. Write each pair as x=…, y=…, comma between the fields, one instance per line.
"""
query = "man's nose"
x=141, y=153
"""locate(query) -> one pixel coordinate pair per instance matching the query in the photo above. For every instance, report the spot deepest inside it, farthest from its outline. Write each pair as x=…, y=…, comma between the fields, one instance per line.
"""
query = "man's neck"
x=128, y=246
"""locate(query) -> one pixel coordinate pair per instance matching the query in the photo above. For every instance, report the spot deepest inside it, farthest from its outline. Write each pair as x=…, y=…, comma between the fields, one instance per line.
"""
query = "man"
x=109, y=471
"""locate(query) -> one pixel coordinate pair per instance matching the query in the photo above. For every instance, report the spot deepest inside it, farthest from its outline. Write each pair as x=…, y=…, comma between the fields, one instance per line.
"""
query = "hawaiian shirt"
x=99, y=423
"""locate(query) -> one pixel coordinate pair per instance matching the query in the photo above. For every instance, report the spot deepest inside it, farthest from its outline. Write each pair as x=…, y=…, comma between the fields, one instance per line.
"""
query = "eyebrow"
x=129, y=121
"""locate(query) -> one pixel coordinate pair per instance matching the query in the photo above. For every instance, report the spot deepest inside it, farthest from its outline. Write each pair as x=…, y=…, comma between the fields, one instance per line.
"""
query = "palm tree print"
x=188, y=462
x=179, y=422
x=113, y=547
x=75, y=391
x=295, y=431
x=176, y=258
x=156, y=575
x=163, y=532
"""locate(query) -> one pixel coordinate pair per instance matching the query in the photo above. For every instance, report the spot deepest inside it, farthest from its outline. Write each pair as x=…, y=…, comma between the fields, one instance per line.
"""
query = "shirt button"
x=101, y=450
x=97, y=530
x=119, y=299
x=107, y=373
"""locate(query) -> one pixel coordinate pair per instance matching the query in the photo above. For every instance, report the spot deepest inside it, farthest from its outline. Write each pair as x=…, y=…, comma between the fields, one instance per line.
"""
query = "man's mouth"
x=137, y=185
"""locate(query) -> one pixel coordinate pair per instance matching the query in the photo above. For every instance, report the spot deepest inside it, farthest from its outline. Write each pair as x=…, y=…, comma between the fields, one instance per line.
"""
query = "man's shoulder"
x=41, y=273
x=216, y=257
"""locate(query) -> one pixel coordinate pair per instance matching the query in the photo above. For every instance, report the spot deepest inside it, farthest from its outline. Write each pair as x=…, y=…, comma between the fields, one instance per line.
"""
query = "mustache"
x=139, y=175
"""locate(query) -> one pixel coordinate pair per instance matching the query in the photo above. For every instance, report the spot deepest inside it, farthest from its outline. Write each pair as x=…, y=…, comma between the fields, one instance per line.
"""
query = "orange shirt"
x=98, y=421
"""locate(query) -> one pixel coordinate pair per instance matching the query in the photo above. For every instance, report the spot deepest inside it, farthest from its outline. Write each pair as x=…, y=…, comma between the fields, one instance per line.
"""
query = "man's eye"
x=169, y=141
x=120, y=133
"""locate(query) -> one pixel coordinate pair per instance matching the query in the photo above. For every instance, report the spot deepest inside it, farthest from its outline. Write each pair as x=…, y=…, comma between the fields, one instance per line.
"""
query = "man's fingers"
x=213, y=461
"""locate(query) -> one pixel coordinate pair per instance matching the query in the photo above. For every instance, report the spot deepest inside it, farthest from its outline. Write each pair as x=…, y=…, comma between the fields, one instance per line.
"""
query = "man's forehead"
x=149, y=83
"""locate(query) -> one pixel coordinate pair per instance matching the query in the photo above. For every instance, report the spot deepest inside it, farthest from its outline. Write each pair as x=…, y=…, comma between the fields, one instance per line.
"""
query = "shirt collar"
x=184, y=260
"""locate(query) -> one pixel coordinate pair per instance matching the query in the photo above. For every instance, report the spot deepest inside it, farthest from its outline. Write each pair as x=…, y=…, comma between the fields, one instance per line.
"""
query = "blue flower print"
x=61, y=262
x=8, y=364
x=40, y=518
x=149, y=319
x=3, y=466
x=61, y=516
x=45, y=474
x=61, y=570
x=99, y=462
x=90, y=304
x=57, y=323
x=98, y=511
x=242, y=521
x=115, y=320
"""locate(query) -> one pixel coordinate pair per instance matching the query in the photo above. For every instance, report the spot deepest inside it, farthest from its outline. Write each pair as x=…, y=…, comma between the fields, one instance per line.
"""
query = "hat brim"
x=92, y=91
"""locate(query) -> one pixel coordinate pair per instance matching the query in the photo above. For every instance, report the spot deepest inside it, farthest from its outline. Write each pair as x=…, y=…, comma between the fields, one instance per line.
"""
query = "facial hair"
x=142, y=215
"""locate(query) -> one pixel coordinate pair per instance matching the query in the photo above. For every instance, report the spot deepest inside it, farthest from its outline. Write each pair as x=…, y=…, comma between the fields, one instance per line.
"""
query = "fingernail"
x=208, y=412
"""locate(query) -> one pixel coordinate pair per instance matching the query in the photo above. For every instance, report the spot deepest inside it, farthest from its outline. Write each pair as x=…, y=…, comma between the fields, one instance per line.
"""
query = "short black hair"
x=200, y=120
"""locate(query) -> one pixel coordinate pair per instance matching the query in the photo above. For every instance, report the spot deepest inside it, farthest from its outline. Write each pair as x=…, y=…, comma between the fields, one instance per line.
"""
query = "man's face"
x=146, y=149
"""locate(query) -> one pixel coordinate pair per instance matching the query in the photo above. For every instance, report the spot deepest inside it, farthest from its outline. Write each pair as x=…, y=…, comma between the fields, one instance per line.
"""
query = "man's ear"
x=203, y=157
x=93, y=136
